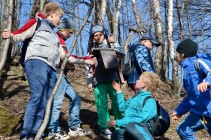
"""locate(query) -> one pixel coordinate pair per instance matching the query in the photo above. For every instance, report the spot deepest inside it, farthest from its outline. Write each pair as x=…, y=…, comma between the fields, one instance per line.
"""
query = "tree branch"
x=48, y=108
x=7, y=42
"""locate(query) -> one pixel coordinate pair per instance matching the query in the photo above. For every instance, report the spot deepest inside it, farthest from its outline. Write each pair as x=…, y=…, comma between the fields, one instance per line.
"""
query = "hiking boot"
x=78, y=132
x=57, y=136
x=106, y=134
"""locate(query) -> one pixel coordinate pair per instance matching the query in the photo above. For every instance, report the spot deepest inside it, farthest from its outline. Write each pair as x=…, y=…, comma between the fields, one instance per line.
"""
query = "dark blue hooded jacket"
x=141, y=61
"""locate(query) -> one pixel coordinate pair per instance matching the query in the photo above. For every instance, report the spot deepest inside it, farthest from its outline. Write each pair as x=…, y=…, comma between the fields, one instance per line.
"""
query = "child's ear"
x=183, y=55
x=144, y=85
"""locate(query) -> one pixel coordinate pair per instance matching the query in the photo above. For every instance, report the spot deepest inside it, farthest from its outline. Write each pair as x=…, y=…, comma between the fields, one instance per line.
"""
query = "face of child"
x=67, y=33
x=55, y=18
x=98, y=37
x=179, y=57
x=140, y=84
x=147, y=43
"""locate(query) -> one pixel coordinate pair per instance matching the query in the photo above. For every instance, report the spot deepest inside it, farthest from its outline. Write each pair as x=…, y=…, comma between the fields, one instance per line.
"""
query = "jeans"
x=74, y=106
x=191, y=124
x=42, y=79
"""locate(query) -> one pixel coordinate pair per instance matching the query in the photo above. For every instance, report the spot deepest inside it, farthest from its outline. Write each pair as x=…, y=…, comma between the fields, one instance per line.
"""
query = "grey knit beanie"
x=96, y=28
x=66, y=24
x=187, y=47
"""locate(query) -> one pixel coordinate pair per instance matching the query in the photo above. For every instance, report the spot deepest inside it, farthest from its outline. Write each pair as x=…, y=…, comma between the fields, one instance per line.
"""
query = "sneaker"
x=25, y=138
x=57, y=136
x=106, y=134
x=78, y=132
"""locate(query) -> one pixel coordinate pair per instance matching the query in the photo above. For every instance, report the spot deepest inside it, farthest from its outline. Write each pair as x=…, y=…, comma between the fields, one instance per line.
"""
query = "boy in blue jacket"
x=141, y=59
x=134, y=109
x=198, y=99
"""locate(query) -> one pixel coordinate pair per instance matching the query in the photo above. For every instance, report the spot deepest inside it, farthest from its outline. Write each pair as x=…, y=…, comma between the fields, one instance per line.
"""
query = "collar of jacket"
x=50, y=23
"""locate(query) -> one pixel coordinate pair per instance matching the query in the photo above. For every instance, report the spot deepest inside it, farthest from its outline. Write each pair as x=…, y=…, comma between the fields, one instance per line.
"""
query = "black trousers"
x=133, y=131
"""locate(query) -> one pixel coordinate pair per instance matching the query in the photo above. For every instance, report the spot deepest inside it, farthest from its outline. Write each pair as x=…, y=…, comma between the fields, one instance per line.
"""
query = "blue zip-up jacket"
x=134, y=110
x=141, y=61
x=195, y=101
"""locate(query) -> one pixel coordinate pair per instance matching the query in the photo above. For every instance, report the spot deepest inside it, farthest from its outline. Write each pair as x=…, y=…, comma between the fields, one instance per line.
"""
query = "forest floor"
x=14, y=95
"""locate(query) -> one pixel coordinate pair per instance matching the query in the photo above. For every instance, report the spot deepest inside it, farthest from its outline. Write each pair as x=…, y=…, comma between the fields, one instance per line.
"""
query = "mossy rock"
x=10, y=123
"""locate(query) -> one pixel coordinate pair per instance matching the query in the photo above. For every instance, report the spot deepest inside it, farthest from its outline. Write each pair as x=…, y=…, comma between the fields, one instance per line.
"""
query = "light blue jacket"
x=134, y=110
x=141, y=61
x=195, y=101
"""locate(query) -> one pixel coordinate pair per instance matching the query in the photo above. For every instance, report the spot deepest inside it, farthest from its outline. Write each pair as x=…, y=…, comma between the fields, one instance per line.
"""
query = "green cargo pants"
x=101, y=101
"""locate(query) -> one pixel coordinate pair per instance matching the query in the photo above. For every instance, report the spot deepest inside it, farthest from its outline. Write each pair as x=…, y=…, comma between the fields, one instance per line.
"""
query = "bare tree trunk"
x=202, y=28
x=36, y=7
x=81, y=38
x=48, y=108
x=188, y=20
x=15, y=23
x=182, y=36
x=42, y=3
x=180, y=20
x=116, y=18
x=0, y=23
x=8, y=15
x=137, y=18
x=171, y=46
x=158, y=29
x=74, y=20
x=97, y=10
x=103, y=11
x=109, y=15
x=165, y=43
x=1, y=13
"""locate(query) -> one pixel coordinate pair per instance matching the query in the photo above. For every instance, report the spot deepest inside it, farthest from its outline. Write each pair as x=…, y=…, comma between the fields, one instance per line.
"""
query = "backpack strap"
x=196, y=65
x=26, y=43
x=148, y=97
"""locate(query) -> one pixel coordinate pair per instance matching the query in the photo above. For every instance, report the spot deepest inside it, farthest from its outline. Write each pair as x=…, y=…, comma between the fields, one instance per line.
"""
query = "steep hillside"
x=14, y=95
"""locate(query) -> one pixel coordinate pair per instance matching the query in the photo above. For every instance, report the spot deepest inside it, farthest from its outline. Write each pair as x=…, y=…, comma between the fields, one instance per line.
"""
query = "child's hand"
x=6, y=34
x=111, y=39
x=90, y=88
x=112, y=123
x=116, y=86
x=175, y=116
x=91, y=59
x=202, y=87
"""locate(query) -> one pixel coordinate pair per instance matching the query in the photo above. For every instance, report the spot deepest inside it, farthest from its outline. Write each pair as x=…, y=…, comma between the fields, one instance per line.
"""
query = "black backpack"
x=161, y=122
x=25, y=44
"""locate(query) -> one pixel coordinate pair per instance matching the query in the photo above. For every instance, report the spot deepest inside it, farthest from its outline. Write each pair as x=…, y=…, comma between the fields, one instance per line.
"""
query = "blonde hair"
x=52, y=7
x=151, y=79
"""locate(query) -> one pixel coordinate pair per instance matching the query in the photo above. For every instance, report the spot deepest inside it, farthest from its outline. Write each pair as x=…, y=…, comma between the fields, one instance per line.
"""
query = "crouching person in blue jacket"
x=198, y=98
x=135, y=109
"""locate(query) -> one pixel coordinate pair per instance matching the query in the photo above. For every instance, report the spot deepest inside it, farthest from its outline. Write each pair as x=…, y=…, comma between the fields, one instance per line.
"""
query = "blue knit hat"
x=151, y=38
x=96, y=28
x=66, y=24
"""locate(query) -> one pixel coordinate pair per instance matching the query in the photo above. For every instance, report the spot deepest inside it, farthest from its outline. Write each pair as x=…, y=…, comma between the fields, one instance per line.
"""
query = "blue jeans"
x=41, y=79
x=191, y=124
x=74, y=106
